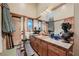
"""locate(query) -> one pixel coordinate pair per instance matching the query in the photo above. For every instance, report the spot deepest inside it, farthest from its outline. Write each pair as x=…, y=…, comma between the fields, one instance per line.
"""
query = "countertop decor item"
x=67, y=34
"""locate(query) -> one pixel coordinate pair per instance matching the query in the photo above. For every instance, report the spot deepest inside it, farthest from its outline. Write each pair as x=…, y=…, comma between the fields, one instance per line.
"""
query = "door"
x=44, y=48
x=17, y=33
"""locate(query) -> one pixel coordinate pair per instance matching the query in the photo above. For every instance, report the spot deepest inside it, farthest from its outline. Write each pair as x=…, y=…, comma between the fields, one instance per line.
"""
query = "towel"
x=7, y=24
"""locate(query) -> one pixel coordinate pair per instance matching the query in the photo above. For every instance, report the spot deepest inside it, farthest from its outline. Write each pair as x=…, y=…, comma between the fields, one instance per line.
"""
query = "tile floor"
x=12, y=52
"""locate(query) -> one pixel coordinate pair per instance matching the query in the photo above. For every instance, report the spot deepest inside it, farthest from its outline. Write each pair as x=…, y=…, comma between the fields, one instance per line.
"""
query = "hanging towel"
x=7, y=24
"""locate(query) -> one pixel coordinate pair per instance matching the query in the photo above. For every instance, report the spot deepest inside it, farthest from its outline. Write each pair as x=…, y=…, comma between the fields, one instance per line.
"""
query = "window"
x=30, y=24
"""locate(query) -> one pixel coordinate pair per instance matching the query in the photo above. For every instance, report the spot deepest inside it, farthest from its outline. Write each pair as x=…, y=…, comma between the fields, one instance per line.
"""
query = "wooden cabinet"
x=51, y=53
x=44, y=48
x=40, y=48
x=55, y=51
x=35, y=45
x=32, y=39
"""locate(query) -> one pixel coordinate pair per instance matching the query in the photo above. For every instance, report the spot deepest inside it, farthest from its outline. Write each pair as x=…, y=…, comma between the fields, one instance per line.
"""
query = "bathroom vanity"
x=46, y=46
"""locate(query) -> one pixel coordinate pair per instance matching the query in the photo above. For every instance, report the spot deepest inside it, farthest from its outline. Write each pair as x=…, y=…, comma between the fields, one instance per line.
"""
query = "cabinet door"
x=44, y=48
x=51, y=52
x=36, y=45
x=40, y=48
x=32, y=39
x=55, y=51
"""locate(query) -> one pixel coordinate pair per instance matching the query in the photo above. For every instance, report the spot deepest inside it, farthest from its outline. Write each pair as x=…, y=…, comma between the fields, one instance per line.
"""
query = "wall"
x=76, y=40
x=28, y=9
x=67, y=10
x=42, y=7
x=57, y=26
x=64, y=11
x=0, y=33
